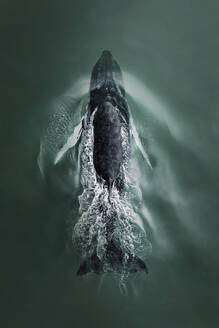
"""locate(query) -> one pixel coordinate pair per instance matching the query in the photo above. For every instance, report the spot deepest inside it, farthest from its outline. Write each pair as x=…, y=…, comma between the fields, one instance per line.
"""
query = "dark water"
x=169, y=53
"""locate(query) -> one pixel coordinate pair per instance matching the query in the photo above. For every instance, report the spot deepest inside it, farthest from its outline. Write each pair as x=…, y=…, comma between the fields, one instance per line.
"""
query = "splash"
x=97, y=212
x=66, y=153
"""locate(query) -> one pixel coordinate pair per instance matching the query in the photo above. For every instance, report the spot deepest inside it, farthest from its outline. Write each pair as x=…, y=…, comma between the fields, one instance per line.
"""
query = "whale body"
x=108, y=109
x=107, y=95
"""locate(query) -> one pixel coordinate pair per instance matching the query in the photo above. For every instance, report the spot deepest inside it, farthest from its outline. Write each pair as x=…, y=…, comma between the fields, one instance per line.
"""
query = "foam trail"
x=89, y=234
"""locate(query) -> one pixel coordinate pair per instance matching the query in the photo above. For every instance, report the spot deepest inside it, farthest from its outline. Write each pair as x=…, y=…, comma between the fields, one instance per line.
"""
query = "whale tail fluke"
x=93, y=264
x=115, y=261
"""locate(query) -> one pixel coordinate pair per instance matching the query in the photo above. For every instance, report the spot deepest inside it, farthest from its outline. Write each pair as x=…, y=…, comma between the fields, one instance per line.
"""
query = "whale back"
x=107, y=142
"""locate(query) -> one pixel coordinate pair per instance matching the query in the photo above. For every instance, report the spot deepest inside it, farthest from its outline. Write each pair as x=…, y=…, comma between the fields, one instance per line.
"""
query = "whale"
x=108, y=111
x=87, y=155
x=107, y=95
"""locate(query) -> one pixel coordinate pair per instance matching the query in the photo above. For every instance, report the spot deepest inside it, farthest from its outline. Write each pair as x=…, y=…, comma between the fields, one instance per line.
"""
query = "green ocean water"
x=168, y=51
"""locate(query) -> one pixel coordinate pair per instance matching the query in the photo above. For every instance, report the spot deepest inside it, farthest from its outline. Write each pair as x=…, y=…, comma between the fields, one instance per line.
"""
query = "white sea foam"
x=89, y=233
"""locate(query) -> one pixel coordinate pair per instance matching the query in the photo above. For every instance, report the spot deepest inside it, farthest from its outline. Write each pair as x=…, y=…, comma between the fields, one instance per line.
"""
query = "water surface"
x=168, y=52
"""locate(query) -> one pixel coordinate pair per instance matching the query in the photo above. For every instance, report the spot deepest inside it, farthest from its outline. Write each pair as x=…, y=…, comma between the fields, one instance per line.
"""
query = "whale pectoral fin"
x=71, y=142
x=138, y=143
